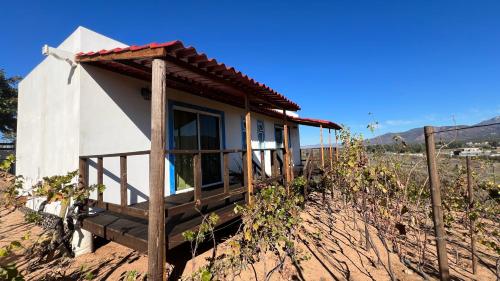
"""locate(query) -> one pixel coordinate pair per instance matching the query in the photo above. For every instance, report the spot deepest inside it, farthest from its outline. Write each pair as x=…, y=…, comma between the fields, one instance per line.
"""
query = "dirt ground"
x=333, y=255
x=328, y=237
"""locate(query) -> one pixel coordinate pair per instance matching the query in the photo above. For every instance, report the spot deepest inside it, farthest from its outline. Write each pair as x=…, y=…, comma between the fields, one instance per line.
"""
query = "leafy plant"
x=10, y=273
x=6, y=164
x=269, y=226
x=195, y=238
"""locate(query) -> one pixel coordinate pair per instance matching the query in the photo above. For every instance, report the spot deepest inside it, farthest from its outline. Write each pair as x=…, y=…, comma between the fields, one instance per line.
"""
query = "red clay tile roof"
x=316, y=122
x=197, y=64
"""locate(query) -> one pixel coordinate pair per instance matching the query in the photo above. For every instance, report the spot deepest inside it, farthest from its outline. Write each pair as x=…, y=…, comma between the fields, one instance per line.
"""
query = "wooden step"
x=133, y=232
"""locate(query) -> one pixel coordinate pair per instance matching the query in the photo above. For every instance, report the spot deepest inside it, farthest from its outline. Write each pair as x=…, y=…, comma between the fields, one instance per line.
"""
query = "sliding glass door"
x=210, y=139
x=195, y=130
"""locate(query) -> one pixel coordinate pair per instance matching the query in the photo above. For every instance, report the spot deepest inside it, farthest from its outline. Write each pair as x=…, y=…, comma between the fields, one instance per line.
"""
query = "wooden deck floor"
x=133, y=232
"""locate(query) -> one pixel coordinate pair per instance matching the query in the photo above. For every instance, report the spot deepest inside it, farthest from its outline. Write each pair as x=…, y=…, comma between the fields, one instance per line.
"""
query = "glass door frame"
x=175, y=105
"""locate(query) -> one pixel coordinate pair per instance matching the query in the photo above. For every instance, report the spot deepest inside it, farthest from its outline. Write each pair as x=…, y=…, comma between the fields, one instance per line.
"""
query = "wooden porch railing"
x=228, y=192
x=315, y=155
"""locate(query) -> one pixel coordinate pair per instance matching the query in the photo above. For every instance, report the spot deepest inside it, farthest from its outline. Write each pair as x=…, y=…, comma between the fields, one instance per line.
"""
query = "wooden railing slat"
x=226, y=173
x=123, y=181
x=82, y=173
x=263, y=164
x=100, y=172
x=197, y=177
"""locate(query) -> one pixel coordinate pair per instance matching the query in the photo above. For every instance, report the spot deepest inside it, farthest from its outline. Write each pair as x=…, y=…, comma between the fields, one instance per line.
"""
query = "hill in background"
x=416, y=135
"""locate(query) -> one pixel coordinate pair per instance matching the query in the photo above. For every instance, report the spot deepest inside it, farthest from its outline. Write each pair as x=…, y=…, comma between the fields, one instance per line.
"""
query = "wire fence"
x=464, y=190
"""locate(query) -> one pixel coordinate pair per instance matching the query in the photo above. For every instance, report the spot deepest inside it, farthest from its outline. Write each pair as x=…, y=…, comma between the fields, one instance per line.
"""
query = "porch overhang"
x=190, y=71
x=316, y=123
x=300, y=120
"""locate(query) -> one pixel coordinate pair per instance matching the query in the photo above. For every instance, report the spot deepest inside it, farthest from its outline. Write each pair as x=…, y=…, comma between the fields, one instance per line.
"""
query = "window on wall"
x=260, y=132
x=196, y=130
x=243, y=133
x=278, y=135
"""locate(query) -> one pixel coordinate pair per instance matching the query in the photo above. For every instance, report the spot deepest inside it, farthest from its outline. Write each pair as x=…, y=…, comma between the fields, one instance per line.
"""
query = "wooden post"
x=336, y=147
x=263, y=164
x=365, y=218
x=306, y=174
x=197, y=178
x=249, y=153
x=83, y=182
x=123, y=181
x=437, y=212
x=100, y=173
x=226, y=173
x=321, y=143
x=472, y=229
x=156, y=220
x=286, y=152
x=330, y=148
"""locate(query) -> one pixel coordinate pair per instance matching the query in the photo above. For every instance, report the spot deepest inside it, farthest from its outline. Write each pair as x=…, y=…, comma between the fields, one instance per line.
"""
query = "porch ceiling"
x=190, y=71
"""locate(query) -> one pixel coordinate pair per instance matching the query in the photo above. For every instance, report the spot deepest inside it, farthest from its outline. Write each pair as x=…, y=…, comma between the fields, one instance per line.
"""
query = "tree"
x=8, y=105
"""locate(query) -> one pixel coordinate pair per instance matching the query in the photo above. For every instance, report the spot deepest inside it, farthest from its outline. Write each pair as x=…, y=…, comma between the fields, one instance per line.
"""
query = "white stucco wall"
x=49, y=111
x=48, y=121
x=65, y=114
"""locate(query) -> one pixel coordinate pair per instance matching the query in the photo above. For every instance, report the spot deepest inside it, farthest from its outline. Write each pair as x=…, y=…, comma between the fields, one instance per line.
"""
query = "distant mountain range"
x=416, y=135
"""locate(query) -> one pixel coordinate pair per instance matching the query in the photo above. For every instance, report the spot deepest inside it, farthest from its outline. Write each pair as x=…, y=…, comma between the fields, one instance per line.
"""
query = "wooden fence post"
x=330, y=154
x=336, y=147
x=322, y=149
x=437, y=212
x=156, y=214
x=470, y=192
x=286, y=152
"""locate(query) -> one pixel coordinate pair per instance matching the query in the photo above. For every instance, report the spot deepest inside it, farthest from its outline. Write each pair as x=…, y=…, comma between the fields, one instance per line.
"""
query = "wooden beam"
x=249, y=154
x=322, y=149
x=123, y=181
x=286, y=152
x=140, y=54
x=156, y=222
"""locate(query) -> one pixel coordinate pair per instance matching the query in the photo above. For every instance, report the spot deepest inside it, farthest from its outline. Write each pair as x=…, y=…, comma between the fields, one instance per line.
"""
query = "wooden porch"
x=128, y=224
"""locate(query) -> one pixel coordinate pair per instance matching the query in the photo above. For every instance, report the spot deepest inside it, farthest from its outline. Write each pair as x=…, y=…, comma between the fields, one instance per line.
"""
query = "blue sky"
x=409, y=63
